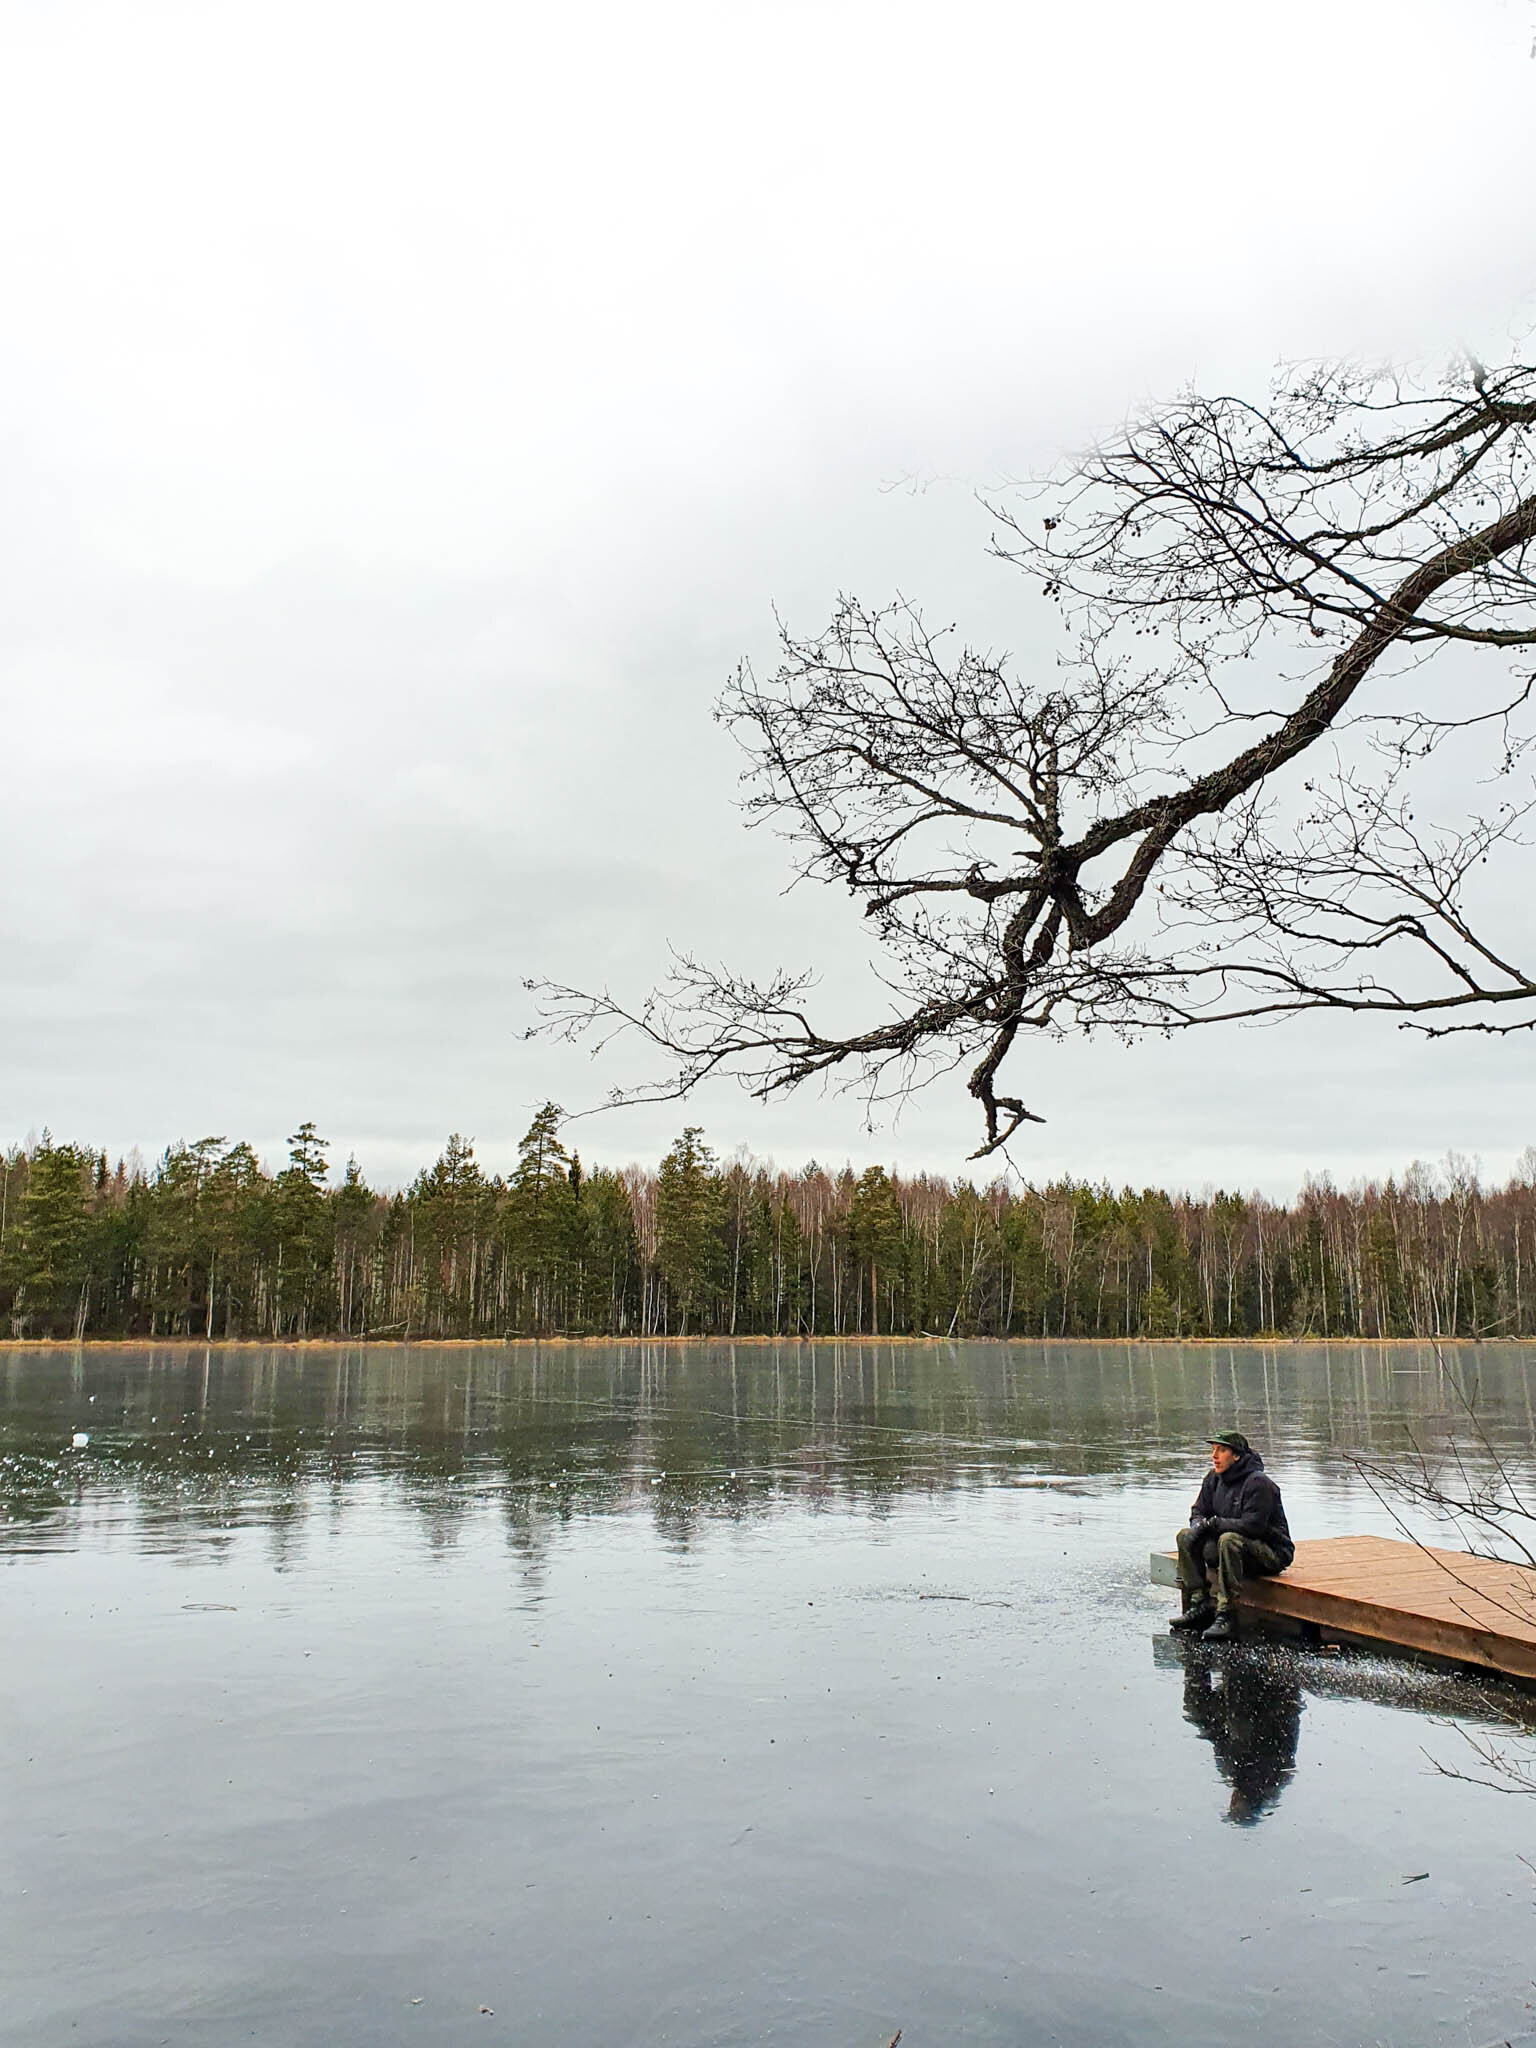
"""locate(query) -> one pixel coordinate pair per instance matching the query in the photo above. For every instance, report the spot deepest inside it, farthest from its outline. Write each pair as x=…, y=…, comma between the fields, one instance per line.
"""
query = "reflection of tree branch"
x=1510, y=1770
x=1485, y=1507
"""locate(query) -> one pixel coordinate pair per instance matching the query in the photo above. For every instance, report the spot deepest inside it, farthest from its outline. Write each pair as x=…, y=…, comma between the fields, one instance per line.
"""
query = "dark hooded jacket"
x=1246, y=1501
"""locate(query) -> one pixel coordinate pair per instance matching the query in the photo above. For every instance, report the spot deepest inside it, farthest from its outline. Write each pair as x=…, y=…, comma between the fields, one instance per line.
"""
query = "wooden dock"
x=1395, y=1595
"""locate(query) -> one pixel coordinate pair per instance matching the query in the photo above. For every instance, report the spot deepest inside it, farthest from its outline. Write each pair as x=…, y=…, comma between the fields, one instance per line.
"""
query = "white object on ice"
x=79, y=1440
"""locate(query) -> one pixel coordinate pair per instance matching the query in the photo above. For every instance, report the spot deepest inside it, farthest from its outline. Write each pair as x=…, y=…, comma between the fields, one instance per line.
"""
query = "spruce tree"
x=48, y=1246
x=690, y=1203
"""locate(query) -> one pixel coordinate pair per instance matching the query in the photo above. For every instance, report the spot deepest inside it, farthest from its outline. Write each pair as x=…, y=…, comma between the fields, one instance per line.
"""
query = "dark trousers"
x=1230, y=1557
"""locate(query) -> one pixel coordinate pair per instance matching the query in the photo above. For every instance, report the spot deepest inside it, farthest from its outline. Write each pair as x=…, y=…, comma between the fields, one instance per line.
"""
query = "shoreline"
x=1268, y=1342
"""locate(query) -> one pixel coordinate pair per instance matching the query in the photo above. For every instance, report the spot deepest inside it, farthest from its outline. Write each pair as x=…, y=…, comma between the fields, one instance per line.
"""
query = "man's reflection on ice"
x=1247, y=1705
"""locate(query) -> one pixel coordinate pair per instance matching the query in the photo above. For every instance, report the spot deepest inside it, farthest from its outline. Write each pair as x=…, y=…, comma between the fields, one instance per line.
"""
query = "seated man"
x=1238, y=1525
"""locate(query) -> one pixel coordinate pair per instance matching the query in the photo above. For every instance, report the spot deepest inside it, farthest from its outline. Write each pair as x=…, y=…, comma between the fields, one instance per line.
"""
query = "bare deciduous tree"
x=1205, y=810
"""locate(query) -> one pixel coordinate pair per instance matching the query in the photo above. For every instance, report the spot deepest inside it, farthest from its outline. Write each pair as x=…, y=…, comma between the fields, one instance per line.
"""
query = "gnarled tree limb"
x=1076, y=851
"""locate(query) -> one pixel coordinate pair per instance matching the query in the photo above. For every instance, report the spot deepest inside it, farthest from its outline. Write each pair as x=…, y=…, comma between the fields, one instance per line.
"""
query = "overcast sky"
x=411, y=413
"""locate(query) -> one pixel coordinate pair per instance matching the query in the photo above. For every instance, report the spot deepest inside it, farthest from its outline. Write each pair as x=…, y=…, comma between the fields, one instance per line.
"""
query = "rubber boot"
x=1195, y=1619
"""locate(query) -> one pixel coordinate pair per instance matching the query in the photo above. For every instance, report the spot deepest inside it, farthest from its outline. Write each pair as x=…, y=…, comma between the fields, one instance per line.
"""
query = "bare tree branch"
x=1482, y=1499
x=1123, y=840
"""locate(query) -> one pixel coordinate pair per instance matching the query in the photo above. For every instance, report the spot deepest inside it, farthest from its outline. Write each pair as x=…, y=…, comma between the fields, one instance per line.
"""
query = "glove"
x=1201, y=1526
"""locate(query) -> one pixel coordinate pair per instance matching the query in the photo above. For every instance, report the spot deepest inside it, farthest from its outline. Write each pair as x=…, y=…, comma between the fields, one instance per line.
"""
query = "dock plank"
x=1442, y=1603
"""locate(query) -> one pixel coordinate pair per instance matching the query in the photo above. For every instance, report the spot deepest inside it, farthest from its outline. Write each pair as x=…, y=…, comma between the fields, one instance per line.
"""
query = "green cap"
x=1232, y=1439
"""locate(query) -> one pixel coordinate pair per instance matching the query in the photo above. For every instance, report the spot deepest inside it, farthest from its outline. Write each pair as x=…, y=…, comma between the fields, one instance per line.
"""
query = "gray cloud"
x=409, y=419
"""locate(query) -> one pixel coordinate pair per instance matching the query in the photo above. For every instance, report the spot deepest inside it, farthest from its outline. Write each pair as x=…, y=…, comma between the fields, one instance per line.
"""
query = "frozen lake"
x=713, y=1694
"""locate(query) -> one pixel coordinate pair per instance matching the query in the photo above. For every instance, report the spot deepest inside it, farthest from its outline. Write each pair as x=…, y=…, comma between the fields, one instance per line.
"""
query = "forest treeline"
x=208, y=1243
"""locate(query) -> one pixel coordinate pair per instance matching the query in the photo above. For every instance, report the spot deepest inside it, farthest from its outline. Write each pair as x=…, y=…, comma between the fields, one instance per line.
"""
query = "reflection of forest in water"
x=684, y=1431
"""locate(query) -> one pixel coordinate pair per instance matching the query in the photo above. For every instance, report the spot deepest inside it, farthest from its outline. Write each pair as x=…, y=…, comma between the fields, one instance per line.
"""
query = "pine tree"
x=305, y=1236
x=182, y=1242
x=690, y=1248
x=451, y=1204
x=352, y=1206
x=875, y=1237
x=542, y=1212
x=610, y=1255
